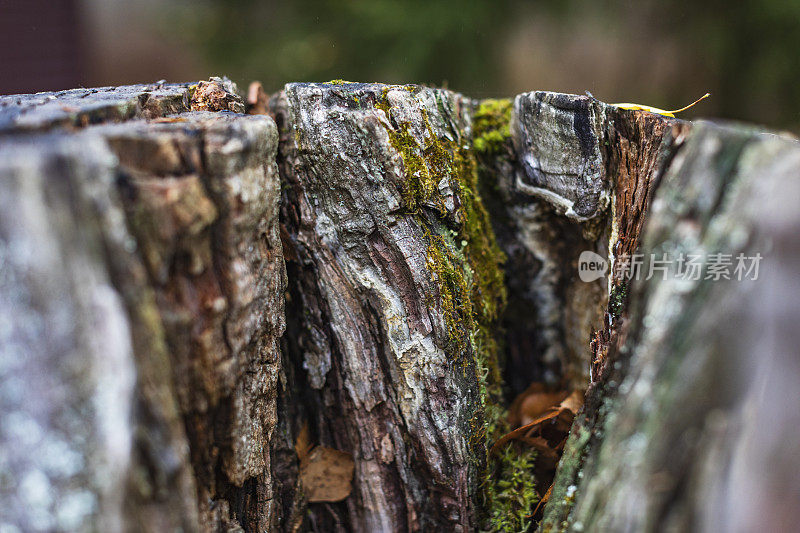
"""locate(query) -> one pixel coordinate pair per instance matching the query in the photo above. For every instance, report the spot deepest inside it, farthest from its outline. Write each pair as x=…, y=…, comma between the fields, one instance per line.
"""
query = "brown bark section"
x=639, y=147
x=680, y=414
x=204, y=216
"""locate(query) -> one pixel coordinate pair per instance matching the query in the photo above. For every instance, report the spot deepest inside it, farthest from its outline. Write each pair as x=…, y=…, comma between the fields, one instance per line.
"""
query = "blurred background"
x=660, y=53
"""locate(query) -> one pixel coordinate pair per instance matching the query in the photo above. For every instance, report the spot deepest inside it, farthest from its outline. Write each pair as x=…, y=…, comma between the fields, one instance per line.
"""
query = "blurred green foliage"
x=752, y=48
x=442, y=42
x=745, y=52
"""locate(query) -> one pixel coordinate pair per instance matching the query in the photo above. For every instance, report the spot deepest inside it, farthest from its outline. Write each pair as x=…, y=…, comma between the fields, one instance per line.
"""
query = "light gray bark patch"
x=66, y=361
x=559, y=142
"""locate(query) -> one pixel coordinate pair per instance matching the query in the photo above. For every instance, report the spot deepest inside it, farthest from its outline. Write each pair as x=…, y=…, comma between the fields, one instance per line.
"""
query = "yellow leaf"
x=639, y=107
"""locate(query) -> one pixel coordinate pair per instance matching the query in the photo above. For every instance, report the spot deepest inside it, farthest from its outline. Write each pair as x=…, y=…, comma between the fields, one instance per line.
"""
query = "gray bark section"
x=373, y=355
x=553, y=207
x=559, y=142
x=67, y=368
x=76, y=108
x=579, y=180
x=142, y=302
x=692, y=427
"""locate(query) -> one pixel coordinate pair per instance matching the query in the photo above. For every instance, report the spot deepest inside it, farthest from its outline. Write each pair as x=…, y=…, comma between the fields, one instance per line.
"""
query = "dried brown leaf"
x=573, y=402
x=543, y=500
x=536, y=400
x=522, y=430
x=326, y=475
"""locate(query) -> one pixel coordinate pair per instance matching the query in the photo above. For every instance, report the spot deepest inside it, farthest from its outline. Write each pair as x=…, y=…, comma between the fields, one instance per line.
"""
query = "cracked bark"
x=373, y=367
x=683, y=390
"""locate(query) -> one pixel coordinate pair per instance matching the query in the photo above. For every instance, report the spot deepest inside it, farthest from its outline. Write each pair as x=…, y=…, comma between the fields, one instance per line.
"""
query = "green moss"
x=562, y=499
x=467, y=263
x=491, y=126
x=617, y=299
x=513, y=495
x=338, y=82
x=425, y=166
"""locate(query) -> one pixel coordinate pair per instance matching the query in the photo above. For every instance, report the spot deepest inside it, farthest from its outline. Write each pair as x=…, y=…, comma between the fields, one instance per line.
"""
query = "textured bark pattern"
x=83, y=107
x=201, y=195
x=153, y=354
x=67, y=369
x=639, y=147
x=384, y=375
x=559, y=141
x=685, y=433
x=145, y=386
x=580, y=181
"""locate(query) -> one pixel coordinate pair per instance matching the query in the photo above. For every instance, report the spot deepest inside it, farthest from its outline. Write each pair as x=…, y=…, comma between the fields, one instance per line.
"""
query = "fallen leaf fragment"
x=651, y=109
x=520, y=431
x=326, y=475
x=573, y=402
x=302, y=444
x=543, y=500
x=563, y=413
x=542, y=447
x=536, y=400
x=256, y=99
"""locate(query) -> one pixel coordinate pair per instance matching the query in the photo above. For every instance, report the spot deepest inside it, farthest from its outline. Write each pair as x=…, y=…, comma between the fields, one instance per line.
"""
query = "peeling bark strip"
x=379, y=213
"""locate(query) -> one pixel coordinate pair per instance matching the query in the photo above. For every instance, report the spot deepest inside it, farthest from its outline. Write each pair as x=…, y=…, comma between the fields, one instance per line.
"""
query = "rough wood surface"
x=76, y=108
x=579, y=180
x=689, y=427
x=559, y=142
x=160, y=337
x=383, y=352
x=201, y=193
x=67, y=367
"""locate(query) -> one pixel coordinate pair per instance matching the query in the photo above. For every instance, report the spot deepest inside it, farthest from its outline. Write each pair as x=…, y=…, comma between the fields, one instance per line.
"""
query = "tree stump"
x=317, y=319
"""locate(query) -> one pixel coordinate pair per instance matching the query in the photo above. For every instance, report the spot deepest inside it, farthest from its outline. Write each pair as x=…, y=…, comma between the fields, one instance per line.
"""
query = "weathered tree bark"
x=201, y=193
x=151, y=237
x=396, y=287
x=691, y=426
x=160, y=338
x=77, y=108
x=578, y=181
